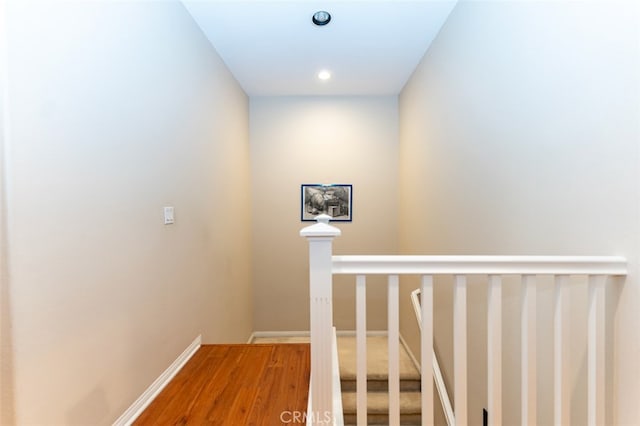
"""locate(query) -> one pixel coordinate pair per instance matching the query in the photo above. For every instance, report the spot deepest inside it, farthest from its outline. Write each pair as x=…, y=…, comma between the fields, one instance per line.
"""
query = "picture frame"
x=335, y=200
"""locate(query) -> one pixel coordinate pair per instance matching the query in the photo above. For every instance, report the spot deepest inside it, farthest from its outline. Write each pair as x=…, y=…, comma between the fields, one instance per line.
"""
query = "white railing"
x=323, y=265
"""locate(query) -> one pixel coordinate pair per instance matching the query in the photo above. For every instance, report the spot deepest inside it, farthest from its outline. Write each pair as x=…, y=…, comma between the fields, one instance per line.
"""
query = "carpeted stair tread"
x=380, y=385
x=378, y=403
x=381, y=419
x=377, y=359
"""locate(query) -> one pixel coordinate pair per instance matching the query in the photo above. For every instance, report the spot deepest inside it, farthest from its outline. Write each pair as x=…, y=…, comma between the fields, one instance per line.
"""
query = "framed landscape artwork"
x=334, y=200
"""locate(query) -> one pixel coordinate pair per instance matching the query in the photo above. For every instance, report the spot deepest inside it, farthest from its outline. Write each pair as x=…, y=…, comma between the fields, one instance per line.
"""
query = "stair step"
x=383, y=420
x=379, y=420
x=377, y=359
x=381, y=385
x=378, y=382
x=378, y=408
x=378, y=402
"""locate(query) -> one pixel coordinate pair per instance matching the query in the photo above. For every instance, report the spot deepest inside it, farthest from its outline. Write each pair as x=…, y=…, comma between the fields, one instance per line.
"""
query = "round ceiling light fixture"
x=321, y=18
x=324, y=75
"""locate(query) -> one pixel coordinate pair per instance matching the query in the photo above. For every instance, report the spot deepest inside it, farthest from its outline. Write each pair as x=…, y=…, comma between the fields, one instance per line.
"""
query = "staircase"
x=377, y=382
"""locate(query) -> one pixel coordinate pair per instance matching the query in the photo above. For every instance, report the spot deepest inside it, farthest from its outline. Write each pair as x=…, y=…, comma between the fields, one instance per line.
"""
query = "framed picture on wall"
x=334, y=200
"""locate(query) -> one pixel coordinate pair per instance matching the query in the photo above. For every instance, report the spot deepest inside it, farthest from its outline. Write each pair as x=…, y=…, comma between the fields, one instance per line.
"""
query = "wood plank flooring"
x=233, y=385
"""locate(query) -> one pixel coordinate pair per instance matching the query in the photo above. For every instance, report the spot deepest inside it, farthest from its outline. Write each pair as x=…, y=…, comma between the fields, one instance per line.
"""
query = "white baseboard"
x=303, y=333
x=132, y=413
x=271, y=334
x=351, y=333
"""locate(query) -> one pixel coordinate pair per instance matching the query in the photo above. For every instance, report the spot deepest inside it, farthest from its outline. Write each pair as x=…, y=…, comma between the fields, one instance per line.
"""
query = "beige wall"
x=6, y=359
x=297, y=140
x=118, y=109
x=519, y=135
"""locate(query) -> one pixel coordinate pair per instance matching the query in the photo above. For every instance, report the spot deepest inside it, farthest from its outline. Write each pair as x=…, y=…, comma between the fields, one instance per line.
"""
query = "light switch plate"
x=168, y=216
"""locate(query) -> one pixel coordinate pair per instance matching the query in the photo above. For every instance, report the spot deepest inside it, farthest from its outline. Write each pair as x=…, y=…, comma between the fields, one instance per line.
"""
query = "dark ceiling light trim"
x=321, y=18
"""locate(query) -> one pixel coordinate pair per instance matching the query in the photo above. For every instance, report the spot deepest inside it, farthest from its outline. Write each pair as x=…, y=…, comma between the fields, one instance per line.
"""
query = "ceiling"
x=371, y=47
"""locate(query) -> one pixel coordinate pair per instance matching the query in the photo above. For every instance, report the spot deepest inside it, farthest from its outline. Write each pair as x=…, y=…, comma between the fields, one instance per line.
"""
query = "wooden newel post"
x=320, y=237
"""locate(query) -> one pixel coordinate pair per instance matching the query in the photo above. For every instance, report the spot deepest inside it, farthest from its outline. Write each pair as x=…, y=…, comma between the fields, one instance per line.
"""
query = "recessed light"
x=321, y=18
x=324, y=75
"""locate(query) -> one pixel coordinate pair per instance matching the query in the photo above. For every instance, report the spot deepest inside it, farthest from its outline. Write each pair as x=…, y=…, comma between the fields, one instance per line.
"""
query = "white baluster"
x=561, y=383
x=394, y=351
x=595, y=352
x=460, y=349
x=494, y=350
x=426, y=348
x=361, y=350
x=528, y=348
x=320, y=237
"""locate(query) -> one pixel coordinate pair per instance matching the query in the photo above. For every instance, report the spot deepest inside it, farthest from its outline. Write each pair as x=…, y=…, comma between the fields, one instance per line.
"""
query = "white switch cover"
x=168, y=215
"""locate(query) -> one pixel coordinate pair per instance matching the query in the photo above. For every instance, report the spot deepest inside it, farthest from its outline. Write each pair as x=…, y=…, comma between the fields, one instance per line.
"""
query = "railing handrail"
x=479, y=265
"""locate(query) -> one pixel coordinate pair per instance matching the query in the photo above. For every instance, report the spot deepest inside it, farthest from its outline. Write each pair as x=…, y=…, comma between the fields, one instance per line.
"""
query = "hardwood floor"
x=266, y=384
